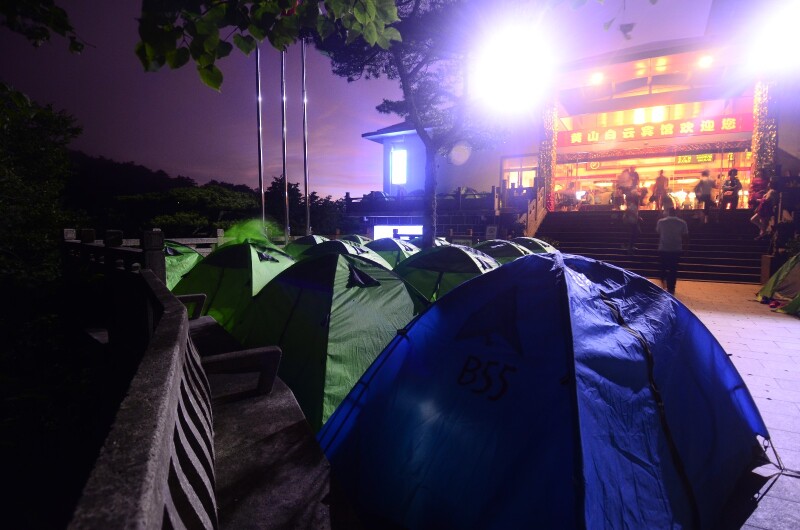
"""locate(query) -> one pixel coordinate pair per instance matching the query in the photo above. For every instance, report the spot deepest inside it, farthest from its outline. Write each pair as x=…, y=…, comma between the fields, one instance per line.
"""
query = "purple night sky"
x=169, y=120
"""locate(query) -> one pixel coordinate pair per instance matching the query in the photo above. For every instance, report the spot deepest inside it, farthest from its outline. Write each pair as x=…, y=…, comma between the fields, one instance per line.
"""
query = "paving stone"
x=774, y=514
x=764, y=347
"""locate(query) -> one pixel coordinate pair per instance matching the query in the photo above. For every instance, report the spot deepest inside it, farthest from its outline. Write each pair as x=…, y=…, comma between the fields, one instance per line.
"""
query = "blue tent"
x=553, y=392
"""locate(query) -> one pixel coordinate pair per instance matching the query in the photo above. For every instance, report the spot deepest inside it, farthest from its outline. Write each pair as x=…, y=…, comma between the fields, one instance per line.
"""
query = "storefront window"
x=519, y=171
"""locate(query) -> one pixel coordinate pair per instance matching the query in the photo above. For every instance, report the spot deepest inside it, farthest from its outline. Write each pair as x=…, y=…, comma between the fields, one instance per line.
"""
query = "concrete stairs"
x=721, y=251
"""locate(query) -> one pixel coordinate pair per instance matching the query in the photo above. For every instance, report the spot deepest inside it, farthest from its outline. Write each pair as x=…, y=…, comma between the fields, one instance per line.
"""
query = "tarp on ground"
x=331, y=315
x=301, y=244
x=535, y=245
x=179, y=259
x=392, y=250
x=344, y=247
x=230, y=277
x=501, y=250
x=553, y=392
x=437, y=270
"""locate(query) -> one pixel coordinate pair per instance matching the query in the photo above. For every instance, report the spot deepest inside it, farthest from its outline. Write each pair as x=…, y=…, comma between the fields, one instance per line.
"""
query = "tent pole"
x=305, y=135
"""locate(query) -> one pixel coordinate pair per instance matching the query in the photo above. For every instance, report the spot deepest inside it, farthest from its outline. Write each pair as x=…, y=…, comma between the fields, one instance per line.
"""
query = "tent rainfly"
x=553, y=392
x=392, y=250
x=179, y=259
x=230, y=276
x=435, y=271
x=331, y=315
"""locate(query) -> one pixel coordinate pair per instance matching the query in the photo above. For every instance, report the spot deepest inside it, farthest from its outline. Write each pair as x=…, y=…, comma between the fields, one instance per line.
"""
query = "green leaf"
x=392, y=34
x=372, y=10
x=386, y=11
x=360, y=13
x=325, y=27
x=211, y=76
x=205, y=59
x=607, y=25
x=337, y=7
x=370, y=34
x=211, y=41
x=178, y=58
x=224, y=49
x=246, y=43
x=205, y=27
x=216, y=14
x=257, y=32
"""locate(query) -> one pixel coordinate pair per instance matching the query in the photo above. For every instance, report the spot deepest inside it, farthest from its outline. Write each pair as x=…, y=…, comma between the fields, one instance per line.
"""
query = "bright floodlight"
x=774, y=48
x=513, y=70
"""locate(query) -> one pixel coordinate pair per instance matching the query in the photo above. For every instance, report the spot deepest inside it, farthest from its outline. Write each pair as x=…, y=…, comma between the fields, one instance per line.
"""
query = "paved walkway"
x=765, y=347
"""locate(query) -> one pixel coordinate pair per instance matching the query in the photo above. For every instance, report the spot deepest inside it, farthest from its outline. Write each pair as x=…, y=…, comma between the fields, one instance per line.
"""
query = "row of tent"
x=550, y=391
x=330, y=305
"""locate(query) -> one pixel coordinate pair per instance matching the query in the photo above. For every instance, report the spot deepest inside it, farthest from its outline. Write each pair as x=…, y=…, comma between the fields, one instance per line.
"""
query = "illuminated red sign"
x=651, y=131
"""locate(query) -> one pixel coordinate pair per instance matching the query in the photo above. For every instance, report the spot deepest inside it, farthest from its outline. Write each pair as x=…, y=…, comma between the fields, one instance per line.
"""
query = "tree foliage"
x=36, y=19
x=429, y=64
x=33, y=164
x=173, y=32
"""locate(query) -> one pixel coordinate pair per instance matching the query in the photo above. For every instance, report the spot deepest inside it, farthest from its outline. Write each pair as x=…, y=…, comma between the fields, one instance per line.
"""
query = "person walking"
x=672, y=234
x=730, y=190
x=702, y=191
x=624, y=184
x=659, y=190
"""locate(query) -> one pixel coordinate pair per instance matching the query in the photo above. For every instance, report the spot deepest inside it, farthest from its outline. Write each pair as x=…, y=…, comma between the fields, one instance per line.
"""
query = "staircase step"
x=722, y=251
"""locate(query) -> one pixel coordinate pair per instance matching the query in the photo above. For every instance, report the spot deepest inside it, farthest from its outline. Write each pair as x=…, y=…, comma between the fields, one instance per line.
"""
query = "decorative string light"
x=765, y=127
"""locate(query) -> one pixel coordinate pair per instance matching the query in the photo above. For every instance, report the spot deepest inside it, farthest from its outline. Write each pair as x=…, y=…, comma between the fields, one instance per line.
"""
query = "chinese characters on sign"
x=667, y=129
x=694, y=159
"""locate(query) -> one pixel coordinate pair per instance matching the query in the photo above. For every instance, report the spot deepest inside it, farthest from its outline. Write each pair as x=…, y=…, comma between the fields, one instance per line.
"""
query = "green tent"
x=784, y=285
x=301, y=244
x=392, y=250
x=331, y=315
x=179, y=259
x=437, y=242
x=252, y=230
x=356, y=238
x=230, y=277
x=437, y=270
x=503, y=251
x=537, y=246
x=345, y=247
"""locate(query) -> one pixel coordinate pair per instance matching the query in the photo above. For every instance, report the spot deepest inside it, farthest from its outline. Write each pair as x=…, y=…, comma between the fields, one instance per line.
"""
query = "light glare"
x=513, y=71
x=705, y=61
x=774, y=48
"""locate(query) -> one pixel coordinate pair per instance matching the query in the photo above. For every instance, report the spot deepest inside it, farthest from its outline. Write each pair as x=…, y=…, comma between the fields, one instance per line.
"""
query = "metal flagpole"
x=260, y=140
x=286, y=230
x=305, y=135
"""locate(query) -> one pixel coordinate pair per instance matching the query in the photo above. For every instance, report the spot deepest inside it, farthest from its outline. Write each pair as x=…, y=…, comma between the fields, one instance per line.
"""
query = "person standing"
x=730, y=190
x=702, y=191
x=765, y=211
x=672, y=234
x=631, y=219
